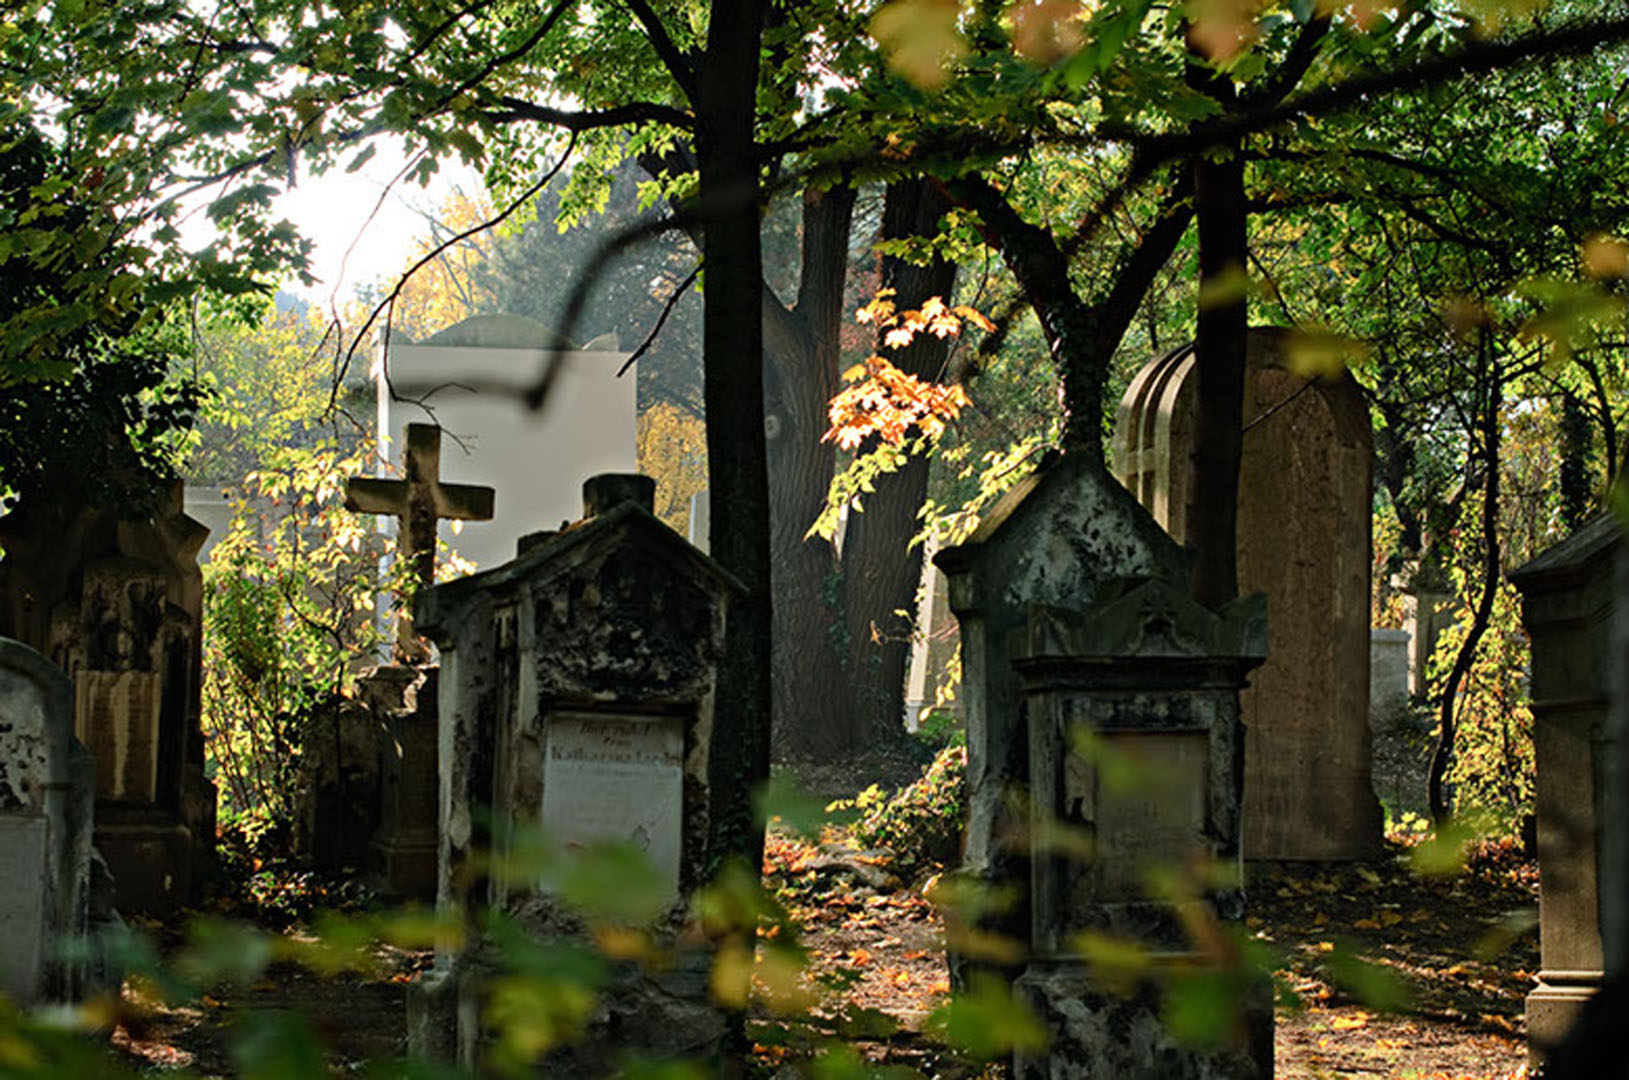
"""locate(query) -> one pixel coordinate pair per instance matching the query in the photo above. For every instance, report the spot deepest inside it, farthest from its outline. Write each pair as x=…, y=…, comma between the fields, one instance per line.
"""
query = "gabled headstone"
x=1067, y=536
x=1079, y=631
x=1304, y=521
x=576, y=695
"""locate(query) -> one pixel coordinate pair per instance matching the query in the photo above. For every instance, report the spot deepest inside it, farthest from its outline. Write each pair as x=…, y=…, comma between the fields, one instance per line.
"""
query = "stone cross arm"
x=420, y=499
x=375, y=495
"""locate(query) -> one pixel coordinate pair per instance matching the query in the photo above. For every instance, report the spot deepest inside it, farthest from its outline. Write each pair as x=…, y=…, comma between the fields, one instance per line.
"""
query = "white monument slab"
x=472, y=379
x=617, y=778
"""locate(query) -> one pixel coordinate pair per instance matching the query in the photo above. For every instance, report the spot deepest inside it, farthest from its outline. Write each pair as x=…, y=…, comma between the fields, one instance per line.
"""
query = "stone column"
x=1568, y=601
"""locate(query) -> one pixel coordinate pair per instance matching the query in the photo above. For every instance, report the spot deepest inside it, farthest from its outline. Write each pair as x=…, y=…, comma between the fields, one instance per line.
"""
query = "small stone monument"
x=1303, y=540
x=1388, y=677
x=576, y=692
x=117, y=603
x=47, y=789
x=1568, y=608
x=381, y=776
x=1078, y=629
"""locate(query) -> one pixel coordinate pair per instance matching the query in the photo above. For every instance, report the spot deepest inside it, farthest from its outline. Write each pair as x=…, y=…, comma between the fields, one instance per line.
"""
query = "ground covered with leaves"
x=1409, y=967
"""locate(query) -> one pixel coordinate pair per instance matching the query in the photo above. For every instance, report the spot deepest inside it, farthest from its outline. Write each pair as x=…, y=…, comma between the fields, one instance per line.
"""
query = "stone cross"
x=420, y=500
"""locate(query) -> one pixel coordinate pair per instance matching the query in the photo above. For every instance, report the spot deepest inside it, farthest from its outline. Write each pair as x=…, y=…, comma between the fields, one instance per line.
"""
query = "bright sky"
x=351, y=250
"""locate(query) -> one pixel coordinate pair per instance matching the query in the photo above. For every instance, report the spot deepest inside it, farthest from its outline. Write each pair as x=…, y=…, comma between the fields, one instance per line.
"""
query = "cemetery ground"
x=1452, y=954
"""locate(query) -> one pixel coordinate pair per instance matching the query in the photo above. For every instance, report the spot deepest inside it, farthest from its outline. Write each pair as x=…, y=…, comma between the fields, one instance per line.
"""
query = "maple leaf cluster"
x=884, y=401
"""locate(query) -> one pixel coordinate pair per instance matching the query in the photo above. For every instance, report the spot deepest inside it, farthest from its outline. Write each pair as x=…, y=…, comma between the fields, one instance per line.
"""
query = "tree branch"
x=679, y=64
x=634, y=112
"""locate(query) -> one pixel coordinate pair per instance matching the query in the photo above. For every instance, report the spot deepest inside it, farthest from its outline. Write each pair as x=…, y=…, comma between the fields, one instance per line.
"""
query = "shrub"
x=922, y=824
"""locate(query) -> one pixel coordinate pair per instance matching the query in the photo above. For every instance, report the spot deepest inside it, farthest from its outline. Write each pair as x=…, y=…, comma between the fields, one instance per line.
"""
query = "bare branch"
x=667, y=309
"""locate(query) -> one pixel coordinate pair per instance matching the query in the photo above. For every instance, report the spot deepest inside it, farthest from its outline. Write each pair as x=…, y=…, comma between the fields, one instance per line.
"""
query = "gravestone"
x=934, y=645
x=474, y=375
x=1388, y=677
x=118, y=605
x=1303, y=539
x=372, y=800
x=46, y=795
x=576, y=692
x=1061, y=536
x=1076, y=622
x=1568, y=608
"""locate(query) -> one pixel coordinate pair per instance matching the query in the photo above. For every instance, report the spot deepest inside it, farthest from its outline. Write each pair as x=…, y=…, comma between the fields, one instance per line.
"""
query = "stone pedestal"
x=1388, y=677
x=1568, y=606
x=1132, y=706
x=1098, y=1032
x=403, y=852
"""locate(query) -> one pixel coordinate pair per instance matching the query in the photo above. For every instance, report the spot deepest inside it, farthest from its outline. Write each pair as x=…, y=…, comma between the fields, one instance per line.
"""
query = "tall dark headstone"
x=117, y=604
x=1304, y=509
x=1569, y=604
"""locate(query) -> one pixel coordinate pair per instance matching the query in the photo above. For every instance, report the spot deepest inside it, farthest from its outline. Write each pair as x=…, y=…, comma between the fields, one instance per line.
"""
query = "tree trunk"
x=800, y=360
x=1219, y=350
x=880, y=572
x=738, y=479
x=1446, y=727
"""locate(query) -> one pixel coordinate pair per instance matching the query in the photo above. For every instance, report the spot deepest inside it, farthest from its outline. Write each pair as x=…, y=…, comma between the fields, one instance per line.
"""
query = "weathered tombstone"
x=576, y=694
x=933, y=645
x=1303, y=540
x=1388, y=676
x=1568, y=608
x=1077, y=624
x=475, y=375
x=118, y=604
x=46, y=794
x=1432, y=610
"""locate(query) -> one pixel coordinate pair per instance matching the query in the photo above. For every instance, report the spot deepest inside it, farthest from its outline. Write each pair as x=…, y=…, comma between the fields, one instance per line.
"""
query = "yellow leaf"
x=1605, y=256
x=921, y=39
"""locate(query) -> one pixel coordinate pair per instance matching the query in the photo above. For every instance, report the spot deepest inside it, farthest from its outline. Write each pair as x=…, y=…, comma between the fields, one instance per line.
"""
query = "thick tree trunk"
x=738, y=478
x=801, y=357
x=1219, y=350
x=880, y=571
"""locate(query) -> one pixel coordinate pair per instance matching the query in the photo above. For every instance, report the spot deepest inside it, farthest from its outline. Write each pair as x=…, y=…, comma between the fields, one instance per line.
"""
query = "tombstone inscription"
x=617, y=778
